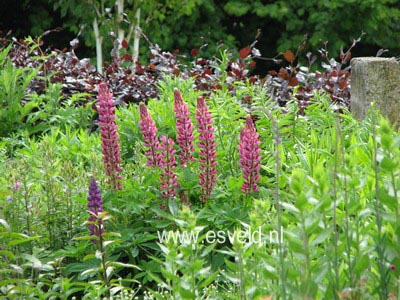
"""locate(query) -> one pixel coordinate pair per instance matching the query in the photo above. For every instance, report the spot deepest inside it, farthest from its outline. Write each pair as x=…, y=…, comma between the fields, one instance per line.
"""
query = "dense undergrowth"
x=133, y=83
x=320, y=222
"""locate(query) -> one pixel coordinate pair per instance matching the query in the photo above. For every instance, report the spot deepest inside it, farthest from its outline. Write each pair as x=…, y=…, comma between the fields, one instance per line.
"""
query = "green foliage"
x=336, y=21
x=187, y=24
x=13, y=84
x=25, y=113
x=47, y=185
x=154, y=14
x=57, y=112
x=324, y=224
x=188, y=259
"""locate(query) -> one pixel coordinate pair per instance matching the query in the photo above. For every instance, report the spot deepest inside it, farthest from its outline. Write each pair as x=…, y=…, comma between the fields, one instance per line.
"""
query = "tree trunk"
x=99, y=46
x=136, y=39
x=120, y=19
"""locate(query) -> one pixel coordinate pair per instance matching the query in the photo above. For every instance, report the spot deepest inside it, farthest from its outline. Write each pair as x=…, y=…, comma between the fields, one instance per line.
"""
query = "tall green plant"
x=15, y=109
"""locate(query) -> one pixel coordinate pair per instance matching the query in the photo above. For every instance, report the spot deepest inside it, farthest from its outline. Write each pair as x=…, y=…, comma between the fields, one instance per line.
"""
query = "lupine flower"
x=207, y=155
x=184, y=129
x=95, y=206
x=249, y=152
x=169, y=180
x=150, y=141
x=109, y=136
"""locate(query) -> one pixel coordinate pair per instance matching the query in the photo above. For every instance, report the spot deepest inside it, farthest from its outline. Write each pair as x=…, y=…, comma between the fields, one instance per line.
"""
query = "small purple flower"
x=169, y=180
x=249, y=152
x=9, y=198
x=184, y=129
x=95, y=206
x=207, y=155
x=109, y=136
x=150, y=141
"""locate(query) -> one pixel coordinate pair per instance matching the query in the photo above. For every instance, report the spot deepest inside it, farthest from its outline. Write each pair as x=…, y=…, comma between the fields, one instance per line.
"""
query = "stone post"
x=375, y=79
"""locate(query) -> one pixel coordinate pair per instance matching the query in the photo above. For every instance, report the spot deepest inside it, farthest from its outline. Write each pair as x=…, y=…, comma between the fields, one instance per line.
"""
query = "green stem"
x=221, y=141
x=277, y=196
x=103, y=257
x=335, y=196
x=380, y=241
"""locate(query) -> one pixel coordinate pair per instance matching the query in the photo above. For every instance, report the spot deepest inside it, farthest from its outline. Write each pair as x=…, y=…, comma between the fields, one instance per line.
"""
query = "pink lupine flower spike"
x=207, y=155
x=150, y=141
x=169, y=180
x=109, y=136
x=184, y=129
x=249, y=152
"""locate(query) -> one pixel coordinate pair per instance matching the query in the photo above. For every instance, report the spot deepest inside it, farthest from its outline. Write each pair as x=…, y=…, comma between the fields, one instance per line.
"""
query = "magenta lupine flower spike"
x=169, y=180
x=109, y=136
x=95, y=206
x=184, y=129
x=150, y=141
x=249, y=152
x=207, y=155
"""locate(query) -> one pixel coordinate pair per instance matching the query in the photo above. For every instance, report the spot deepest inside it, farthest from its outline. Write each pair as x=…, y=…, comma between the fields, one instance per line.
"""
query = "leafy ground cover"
x=194, y=195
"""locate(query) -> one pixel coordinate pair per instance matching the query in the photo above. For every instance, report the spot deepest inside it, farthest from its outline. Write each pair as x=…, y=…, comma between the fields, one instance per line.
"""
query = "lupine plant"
x=206, y=144
x=184, y=129
x=169, y=180
x=151, y=142
x=95, y=205
x=325, y=185
x=249, y=152
x=109, y=136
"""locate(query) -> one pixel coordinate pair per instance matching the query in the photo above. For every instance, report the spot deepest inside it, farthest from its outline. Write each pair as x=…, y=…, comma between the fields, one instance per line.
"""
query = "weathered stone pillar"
x=375, y=79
